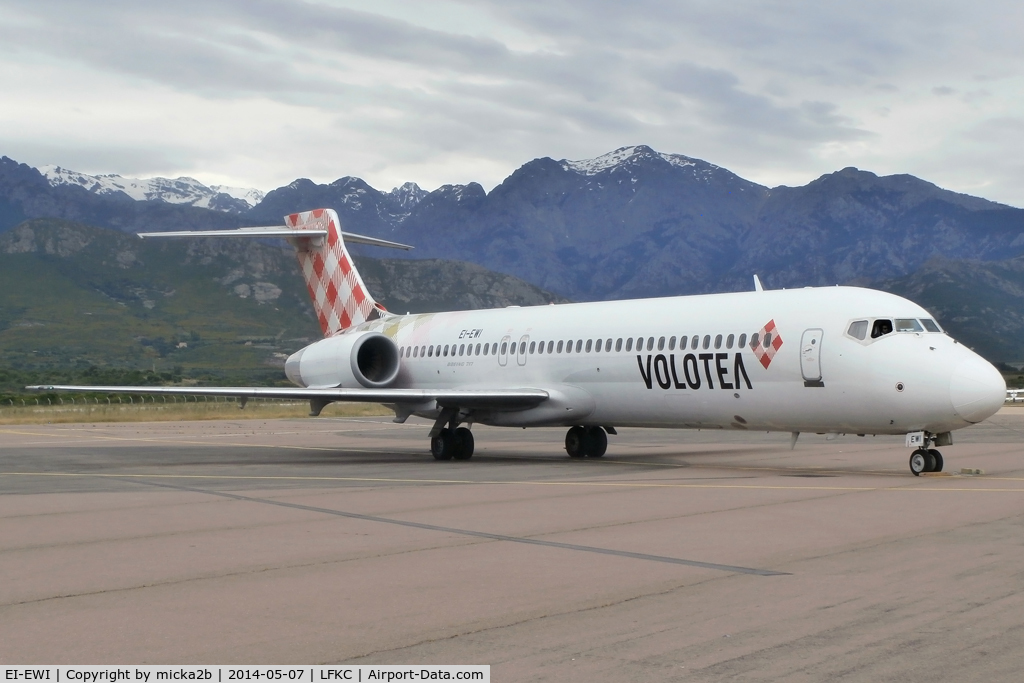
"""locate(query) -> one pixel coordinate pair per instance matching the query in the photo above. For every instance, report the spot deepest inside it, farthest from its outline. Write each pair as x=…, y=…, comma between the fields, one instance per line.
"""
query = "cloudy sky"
x=259, y=92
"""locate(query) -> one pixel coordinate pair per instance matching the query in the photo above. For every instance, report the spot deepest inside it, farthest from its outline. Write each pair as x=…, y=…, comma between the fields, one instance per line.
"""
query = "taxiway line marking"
x=479, y=534
x=596, y=484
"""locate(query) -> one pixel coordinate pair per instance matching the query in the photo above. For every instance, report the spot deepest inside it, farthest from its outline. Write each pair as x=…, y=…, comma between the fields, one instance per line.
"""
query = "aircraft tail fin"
x=340, y=298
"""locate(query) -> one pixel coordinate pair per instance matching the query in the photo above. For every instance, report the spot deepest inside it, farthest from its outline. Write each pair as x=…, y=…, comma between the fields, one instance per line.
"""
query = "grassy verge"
x=167, y=412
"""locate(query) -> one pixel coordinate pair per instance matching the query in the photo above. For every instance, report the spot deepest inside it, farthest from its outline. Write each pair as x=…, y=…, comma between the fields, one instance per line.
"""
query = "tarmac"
x=679, y=556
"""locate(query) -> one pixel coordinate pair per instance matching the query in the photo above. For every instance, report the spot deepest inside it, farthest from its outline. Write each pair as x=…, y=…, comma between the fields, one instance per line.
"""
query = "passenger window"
x=881, y=328
x=568, y=346
x=533, y=346
x=486, y=348
x=742, y=341
x=551, y=346
x=930, y=325
x=590, y=345
x=908, y=325
x=445, y=350
x=767, y=340
x=671, y=343
x=579, y=345
x=540, y=347
x=618, y=344
x=629, y=344
x=707, y=341
x=858, y=329
x=718, y=341
x=755, y=339
x=415, y=352
x=682, y=343
x=694, y=342
x=494, y=349
x=661, y=343
x=462, y=349
x=729, y=340
x=650, y=343
x=608, y=345
x=559, y=347
x=599, y=345
x=504, y=348
x=477, y=349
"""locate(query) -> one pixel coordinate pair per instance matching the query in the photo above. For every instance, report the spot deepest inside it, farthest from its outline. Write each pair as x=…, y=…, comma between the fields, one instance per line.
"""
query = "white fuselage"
x=820, y=379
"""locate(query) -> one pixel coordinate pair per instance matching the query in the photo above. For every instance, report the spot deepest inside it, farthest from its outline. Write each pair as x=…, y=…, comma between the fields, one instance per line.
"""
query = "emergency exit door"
x=810, y=357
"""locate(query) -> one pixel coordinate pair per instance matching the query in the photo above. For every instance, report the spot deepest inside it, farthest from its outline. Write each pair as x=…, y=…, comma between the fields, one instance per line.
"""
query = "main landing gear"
x=452, y=444
x=586, y=442
x=925, y=460
x=449, y=441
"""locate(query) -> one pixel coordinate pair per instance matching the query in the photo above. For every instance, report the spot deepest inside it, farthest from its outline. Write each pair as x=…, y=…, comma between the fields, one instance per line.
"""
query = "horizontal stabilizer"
x=275, y=231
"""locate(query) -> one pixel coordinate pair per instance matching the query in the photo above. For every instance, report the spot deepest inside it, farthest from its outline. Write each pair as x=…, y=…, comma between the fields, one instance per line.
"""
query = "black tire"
x=575, y=442
x=930, y=467
x=442, y=446
x=596, y=442
x=938, y=459
x=919, y=461
x=464, y=444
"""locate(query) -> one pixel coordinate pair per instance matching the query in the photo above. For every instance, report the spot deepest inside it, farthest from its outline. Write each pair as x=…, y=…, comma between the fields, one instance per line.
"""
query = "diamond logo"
x=766, y=343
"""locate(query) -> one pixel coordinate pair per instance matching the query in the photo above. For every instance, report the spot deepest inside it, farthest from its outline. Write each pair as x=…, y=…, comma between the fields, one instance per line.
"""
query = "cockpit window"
x=858, y=329
x=881, y=328
x=930, y=325
x=908, y=325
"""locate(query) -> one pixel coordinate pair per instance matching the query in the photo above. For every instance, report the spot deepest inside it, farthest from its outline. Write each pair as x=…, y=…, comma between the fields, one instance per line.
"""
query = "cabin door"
x=810, y=357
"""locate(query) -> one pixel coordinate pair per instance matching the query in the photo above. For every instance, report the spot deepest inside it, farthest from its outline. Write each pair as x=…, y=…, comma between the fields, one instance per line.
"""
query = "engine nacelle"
x=367, y=359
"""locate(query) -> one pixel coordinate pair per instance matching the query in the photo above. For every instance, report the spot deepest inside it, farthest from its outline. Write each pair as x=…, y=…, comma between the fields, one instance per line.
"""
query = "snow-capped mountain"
x=625, y=158
x=408, y=195
x=170, y=190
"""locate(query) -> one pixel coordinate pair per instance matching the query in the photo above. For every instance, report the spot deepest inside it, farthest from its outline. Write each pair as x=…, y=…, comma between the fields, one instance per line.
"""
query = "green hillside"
x=74, y=296
x=979, y=303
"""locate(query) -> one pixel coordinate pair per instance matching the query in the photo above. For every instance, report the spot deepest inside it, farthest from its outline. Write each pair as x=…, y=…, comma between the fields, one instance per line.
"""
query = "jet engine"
x=367, y=359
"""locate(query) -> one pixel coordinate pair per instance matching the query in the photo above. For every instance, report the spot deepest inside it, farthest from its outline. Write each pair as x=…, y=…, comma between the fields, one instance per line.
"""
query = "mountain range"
x=636, y=222
x=182, y=190
x=75, y=295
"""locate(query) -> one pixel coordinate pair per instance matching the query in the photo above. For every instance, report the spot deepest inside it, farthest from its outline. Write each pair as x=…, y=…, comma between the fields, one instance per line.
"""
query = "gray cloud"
x=775, y=90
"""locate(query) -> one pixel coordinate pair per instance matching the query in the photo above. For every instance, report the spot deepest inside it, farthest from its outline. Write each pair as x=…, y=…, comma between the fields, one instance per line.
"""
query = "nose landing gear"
x=925, y=460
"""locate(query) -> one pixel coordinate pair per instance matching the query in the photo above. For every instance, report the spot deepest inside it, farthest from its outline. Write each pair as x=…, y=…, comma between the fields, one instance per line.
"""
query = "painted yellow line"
x=595, y=484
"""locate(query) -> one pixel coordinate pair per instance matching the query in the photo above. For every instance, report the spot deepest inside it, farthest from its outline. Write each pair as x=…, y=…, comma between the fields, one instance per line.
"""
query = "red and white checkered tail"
x=340, y=299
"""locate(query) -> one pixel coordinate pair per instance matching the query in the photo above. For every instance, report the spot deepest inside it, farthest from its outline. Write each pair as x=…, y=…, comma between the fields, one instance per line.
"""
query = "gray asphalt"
x=679, y=556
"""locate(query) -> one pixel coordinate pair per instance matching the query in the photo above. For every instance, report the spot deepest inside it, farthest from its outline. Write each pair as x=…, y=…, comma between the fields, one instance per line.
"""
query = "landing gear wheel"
x=938, y=460
x=443, y=446
x=576, y=442
x=463, y=444
x=596, y=442
x=921, y=461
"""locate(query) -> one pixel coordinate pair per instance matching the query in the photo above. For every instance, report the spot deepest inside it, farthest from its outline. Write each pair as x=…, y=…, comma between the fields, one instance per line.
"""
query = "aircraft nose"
x=976, y=389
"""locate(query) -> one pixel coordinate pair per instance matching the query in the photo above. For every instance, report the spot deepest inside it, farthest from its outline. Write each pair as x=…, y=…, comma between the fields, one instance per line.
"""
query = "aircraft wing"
x=463, y=398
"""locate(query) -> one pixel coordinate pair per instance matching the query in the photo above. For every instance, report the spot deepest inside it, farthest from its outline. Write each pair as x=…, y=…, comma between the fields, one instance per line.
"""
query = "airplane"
x=826, y=360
